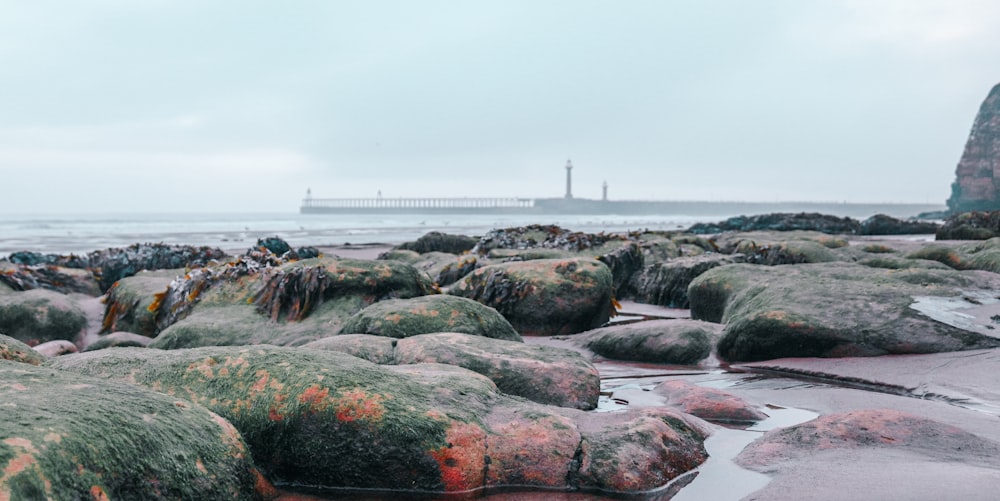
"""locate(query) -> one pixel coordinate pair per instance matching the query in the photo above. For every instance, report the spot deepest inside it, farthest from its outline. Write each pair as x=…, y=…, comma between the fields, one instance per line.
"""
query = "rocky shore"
x=786, y=356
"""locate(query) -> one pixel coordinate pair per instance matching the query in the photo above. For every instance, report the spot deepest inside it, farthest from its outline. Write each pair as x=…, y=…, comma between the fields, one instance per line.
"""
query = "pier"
x=427, y=205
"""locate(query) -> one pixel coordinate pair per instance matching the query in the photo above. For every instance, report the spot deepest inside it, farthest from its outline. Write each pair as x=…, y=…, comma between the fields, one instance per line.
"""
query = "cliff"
x=977, y=177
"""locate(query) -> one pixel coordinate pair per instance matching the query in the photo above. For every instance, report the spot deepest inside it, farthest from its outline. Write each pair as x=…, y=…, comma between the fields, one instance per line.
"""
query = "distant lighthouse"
x=569, y=179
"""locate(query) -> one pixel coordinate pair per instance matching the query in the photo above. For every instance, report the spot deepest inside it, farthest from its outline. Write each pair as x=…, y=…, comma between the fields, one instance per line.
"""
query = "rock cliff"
x=977, y=177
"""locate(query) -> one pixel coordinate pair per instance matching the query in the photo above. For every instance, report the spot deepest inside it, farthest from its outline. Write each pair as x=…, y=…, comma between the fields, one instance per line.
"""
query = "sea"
x=82, y=233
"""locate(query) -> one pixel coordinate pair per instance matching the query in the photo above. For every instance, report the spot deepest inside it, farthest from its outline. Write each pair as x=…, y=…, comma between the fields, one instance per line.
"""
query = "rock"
x=56, y=348
x=781, y=222
x=984, y=255
x=546, y=375
x=543, y=237
x=40, y=315
x=542, y=374
x=328, y=420
x=729, y=243
x=976, y=186
x=898, y=263
x=841, y=309
x=676, y=342
x=544, y=297
x=881, y=224
x=445, y=269
x=624, y=262
x=400, y=318
x=16, y=351
x=970, y=226
x=66, y=436
x=129, y=305
x=709, y=404
x=119, y=340
x=658, y=247
x=111, y=265
x=15, y=277
x=379, y=350
x=440, y=242
x=405, y=256
x=666, y=283
x=870, y=428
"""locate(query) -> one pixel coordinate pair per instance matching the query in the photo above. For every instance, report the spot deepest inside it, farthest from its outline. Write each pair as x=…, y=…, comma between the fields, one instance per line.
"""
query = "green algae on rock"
x=835, y=310
x=544, y=297
x=66, y=436
x=16, y=351
x=680, y=342
x=400, y=318
x=329, y=420
x=40, y=315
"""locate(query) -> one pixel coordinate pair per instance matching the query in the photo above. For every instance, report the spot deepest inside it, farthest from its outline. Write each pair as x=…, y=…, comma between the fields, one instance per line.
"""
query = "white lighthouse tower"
x=569, y=179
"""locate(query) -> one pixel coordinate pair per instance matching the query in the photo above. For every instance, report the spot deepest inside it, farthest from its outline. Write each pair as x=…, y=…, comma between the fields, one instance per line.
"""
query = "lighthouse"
x=569, y=179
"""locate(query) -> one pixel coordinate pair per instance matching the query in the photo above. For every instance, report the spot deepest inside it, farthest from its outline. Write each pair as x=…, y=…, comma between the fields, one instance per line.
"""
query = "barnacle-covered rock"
x=400, y=318
x=43, y=276
x=666, y=283
x=542, y=237
x=544, y=297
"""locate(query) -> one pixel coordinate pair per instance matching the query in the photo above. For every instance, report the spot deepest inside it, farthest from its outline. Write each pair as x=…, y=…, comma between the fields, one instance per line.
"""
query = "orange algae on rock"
x=463, y=459
x=357, y=404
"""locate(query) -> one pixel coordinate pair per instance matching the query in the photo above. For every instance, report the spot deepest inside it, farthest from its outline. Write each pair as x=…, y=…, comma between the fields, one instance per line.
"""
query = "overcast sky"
x=153, y=106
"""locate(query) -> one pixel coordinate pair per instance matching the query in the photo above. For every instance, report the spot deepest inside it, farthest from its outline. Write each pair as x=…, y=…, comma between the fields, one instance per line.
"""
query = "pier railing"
x=417, y=203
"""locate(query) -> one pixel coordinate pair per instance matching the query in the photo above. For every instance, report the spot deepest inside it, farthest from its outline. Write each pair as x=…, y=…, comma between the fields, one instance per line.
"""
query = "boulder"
x=328, y=420
x=67, y=436
x=111, y=265
x=56, y=348
x=440, y=242
x=16, y=351
x=781, y=221
x=624, y=262
x=675, y=342
x=544, y=297
x=658, y=247
x=129, y=305
x=542, y=374
x=15, y=277
x=445, y=269
x=841, y=309
x=550, y=237
x=119, y=340
x=40, y=315
x=881, y=224
x=400, y=318
x=666, y=283
x=970, y=226
x=866, y=429
x=709, y=404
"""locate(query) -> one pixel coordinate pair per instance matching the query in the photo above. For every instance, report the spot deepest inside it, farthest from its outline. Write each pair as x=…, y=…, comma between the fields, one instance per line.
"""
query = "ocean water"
x=82, y=233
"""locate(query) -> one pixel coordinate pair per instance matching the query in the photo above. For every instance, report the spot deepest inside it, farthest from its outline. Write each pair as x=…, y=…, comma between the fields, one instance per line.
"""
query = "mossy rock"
x=40, y=315
x=787, y=252
x=676, y=342
x=379, y=350
x=401, y=255
x=14, y=277
x=506, y=255
x=890, y=262
x=841, y=309
x=948, y=256
x=436, y=241
x=238, y=325
x=544, y=297
x=328, y=420
x=119, y=340
x=400, y=318
x=657, y=248
x=16, y=351
x=129, y=305
x=541, y=374
x=67, y=436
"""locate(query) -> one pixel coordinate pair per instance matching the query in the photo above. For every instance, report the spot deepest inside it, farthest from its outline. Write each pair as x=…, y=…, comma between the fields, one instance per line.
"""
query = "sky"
x=223, y=106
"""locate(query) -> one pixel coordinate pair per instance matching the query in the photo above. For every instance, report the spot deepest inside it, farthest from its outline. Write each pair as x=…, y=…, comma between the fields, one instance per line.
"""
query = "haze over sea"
x=82, y=233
